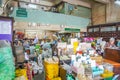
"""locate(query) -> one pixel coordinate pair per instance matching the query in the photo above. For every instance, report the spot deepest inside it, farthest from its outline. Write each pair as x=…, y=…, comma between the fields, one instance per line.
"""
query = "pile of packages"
x=86, y=64
x=6, y=61
x=37, y=68
x=64, y=57
x=52, y=68
x=89, y=67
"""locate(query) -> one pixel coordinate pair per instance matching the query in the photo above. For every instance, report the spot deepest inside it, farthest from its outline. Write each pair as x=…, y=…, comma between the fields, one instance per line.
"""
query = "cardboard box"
x=98, y=59
x=20, y=58
x=18, y=50
x=63, y=73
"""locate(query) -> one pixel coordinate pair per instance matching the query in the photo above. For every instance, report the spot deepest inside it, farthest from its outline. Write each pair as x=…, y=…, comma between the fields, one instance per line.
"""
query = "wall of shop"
x=36, y=26
x=40, y=33
x=98, y=13
x=77, y=11
x=105, y=13
x=112, y=12
x=51, y=18
x=31, y=29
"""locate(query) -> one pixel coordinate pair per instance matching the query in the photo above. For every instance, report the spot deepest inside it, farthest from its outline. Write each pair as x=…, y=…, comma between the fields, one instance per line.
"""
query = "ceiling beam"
x=103, y=1
x=43, y=3
x=79, y=2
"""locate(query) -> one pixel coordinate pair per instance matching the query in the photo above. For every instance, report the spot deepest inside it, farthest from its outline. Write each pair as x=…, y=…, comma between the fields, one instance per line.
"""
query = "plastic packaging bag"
x=6, y=62
x=21, y=73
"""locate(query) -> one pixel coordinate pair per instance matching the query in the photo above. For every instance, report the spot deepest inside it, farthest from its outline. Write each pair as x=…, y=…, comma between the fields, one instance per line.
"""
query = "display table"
x=112, y=54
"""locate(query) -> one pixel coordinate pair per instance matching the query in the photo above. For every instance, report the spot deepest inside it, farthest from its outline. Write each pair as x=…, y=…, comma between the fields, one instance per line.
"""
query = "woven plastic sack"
x=6, y=64
x=58, y=78
x=51, y=69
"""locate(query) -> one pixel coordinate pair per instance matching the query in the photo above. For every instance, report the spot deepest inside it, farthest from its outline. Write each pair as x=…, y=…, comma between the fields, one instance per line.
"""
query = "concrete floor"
x=40, y=76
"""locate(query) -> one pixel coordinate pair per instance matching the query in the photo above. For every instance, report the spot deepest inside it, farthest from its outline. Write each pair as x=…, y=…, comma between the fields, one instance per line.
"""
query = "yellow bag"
x=107, y=74
x=51, y=70
x=20, y=78
x=21, y=72
x=58, y=78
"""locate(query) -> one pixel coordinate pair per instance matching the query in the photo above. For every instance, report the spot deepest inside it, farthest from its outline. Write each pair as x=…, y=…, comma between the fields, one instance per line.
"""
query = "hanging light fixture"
x=117, y=2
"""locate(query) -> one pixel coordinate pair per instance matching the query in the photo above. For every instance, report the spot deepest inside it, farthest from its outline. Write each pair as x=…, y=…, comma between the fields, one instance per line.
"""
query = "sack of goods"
x=51, y=68
x=6, y=62
x=21, y=74
x=58, y=78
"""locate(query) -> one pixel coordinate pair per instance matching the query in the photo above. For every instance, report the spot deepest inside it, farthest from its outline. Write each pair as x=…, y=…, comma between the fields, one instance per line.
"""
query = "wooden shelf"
x=102, y=30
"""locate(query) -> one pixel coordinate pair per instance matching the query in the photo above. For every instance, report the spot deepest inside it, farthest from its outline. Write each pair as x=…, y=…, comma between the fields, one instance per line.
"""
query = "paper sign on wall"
x=6, y=30
x=5, y=27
